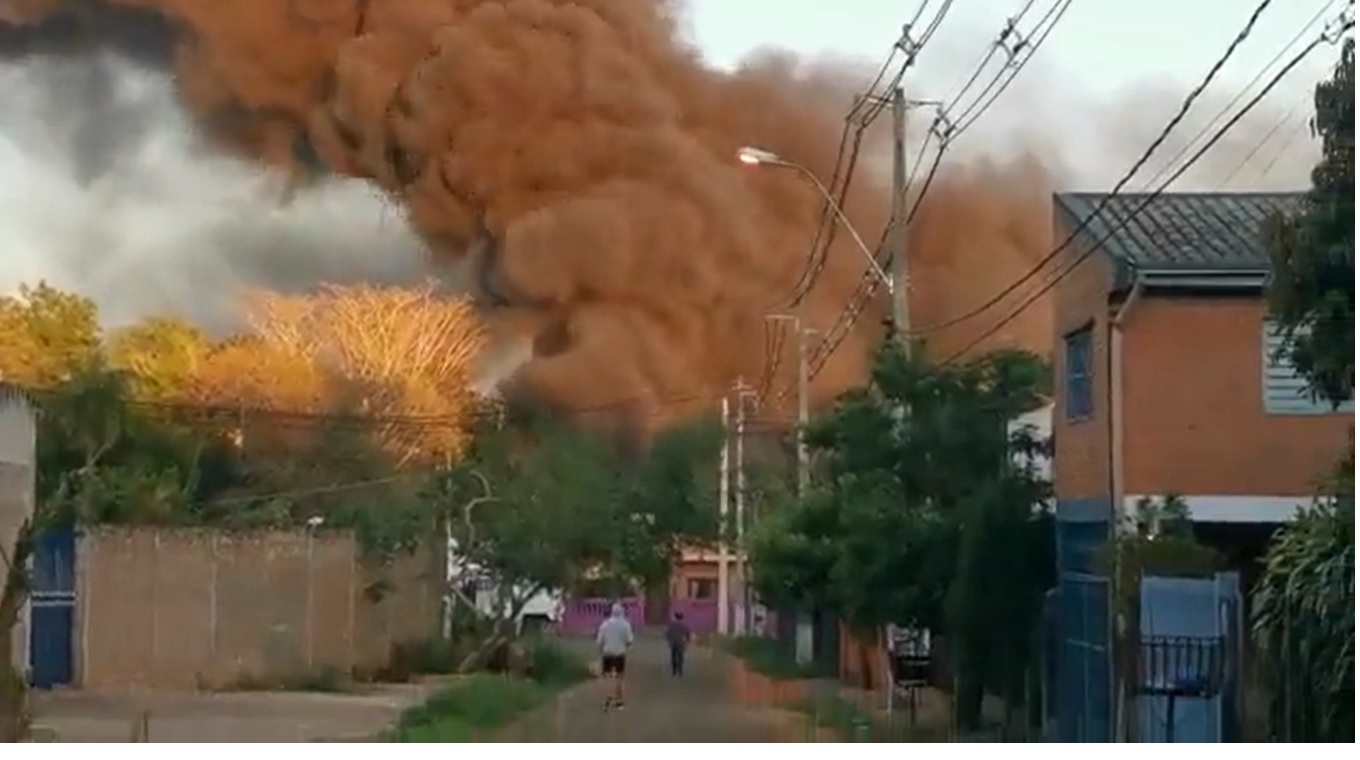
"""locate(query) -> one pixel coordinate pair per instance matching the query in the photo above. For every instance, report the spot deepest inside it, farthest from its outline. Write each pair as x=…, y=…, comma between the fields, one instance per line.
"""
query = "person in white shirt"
x=614, y=637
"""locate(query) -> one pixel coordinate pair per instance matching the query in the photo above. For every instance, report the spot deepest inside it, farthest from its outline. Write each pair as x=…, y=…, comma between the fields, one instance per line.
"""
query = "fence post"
x=308, y=612
x=214, y=559
x=155, y=599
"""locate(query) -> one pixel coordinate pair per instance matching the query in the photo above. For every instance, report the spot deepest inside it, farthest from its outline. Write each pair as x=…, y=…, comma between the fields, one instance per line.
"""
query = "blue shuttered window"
x=1283, y=389
x=1078, y=381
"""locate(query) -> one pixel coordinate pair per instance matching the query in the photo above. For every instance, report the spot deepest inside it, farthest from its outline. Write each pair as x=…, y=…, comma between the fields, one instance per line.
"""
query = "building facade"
x=1169, y=374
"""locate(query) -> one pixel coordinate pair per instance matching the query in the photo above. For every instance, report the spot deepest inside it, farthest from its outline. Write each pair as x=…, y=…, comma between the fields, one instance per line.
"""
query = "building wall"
x=198, y=608
x=17, y=441
x=1195, y=422
x=1081, y=447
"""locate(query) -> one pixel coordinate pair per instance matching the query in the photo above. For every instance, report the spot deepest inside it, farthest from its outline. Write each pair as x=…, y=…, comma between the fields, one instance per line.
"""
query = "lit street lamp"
x=759, y=157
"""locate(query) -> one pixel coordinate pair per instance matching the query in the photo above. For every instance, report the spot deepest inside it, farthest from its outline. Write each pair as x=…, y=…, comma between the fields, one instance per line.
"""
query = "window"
x=1283, y=389
x=702, y=589
x=1080, y=401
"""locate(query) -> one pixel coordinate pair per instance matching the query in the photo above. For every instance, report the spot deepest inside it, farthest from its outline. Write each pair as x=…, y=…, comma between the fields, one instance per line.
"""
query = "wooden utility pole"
x=900, y=274
x=724, y=466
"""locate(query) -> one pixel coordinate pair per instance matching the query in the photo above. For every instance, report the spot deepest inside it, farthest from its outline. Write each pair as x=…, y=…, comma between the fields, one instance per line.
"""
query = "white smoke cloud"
x=106, y=190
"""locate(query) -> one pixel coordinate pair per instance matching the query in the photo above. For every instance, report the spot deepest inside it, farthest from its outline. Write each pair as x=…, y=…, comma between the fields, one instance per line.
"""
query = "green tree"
x=542, y=505
x=1304, y=618
x=46, y=335
x=162, y=355
x=921, y=517
x=1312, y=293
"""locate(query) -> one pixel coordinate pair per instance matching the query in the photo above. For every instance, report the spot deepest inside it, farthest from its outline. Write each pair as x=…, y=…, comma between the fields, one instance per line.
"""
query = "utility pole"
x=724, y=465
x=803, y=634
x=743, y=395
x=901, y=281
x=803, y=335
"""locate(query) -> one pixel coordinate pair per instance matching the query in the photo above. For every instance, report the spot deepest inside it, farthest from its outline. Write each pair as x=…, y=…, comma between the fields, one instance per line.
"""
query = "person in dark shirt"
x=677, y=636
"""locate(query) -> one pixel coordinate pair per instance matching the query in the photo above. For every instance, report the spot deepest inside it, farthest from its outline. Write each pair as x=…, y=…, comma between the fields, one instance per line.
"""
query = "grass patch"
x=855, y=724
x=474, y=708
x=767, y=657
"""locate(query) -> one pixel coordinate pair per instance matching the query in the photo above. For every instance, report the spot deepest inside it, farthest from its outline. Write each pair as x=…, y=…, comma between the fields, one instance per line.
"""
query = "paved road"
x=89, y=716
x=695, y=708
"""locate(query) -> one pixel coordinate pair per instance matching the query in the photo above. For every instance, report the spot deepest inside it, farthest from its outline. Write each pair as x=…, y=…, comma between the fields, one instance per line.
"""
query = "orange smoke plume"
x=577, y=158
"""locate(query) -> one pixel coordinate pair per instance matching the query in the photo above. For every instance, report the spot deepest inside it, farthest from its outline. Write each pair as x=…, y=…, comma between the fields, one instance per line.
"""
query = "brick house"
x=1167, y=379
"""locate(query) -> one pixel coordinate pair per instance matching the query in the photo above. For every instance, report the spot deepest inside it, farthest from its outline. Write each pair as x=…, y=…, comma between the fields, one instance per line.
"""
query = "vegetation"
x=352, y=405
x=1312, y=293
x=768, y=657
x=1304, y=621
x=921, y=514
x=473, y=709
x=540, y=505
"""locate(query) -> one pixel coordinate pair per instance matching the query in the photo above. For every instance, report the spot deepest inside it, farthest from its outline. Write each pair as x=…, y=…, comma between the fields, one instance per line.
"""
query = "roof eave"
x=1203, y=279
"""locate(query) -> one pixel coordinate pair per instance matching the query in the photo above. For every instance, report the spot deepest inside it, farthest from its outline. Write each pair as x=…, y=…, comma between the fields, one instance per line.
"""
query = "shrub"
x=768, y=657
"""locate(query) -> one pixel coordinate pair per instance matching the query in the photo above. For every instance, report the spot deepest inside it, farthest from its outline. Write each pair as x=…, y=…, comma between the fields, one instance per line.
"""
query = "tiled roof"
x=1180, y=230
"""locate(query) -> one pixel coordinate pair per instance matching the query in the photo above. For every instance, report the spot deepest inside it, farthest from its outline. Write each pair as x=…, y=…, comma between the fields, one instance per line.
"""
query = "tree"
x=919, y=515
x=46, y=335
x=162, y=356
x=1312, y=293
x=541, y=505
x=1304, y=618
x=386, y=352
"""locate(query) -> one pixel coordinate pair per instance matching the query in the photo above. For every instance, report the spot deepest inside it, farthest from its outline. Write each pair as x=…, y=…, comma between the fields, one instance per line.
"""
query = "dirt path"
x=695, y=708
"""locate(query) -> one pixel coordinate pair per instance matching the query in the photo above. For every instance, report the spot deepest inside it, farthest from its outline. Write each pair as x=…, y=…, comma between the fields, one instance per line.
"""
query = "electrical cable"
x=1147, y=200
x=1284, y=147
x=1015, y=63
x=868, y=284
x=1165, y=134
x=1288, y=116
x=841, y=181
x=1247, y=88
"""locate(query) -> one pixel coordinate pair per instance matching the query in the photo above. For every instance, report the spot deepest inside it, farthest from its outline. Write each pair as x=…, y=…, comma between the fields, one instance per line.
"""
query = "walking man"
x=613, y=638
x=677, y=636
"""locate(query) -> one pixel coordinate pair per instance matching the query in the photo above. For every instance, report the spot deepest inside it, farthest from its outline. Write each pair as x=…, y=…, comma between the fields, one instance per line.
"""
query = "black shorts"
x=612, y=664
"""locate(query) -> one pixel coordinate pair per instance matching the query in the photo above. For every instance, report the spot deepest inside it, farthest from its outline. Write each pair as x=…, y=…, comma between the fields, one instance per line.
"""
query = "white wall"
x=1040, y=422
x=18, y=431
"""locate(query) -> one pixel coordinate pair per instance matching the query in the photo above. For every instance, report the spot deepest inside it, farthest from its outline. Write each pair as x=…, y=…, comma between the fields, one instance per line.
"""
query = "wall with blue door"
x=1192, y=633
x=1083, y=695
x=52, y=610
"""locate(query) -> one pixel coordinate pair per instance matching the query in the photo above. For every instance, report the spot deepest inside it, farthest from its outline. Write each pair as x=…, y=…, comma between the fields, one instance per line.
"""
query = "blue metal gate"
x=1084, y=698
x=52, y=623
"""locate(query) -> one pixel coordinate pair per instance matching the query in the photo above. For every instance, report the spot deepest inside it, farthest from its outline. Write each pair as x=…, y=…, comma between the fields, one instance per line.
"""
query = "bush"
x=473, y=707
x=768, y=657
x=550, y=665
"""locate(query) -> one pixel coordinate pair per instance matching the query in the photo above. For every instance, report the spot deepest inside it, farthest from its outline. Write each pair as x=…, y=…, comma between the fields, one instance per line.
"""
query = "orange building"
x=1167, y=367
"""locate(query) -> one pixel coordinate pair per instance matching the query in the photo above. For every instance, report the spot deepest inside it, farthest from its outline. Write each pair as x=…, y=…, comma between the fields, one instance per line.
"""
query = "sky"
x=1101, y=43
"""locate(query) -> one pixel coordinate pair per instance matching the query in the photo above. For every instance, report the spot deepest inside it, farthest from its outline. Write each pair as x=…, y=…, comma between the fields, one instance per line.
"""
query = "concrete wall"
x=17, y=441
x=196, y=608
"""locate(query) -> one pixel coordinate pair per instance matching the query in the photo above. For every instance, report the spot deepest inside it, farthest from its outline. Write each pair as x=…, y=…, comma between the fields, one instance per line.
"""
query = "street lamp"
x=752, y=156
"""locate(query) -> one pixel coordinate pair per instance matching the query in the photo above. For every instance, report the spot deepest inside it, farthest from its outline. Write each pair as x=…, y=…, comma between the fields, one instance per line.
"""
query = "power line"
x=1289, y=115
x=1095, y=245
x=1227, y=107
x=1017, y=56
x=843, y=175
x=1043, y=263
x=234, y=413
x=1284, y=147
x=946, y=133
